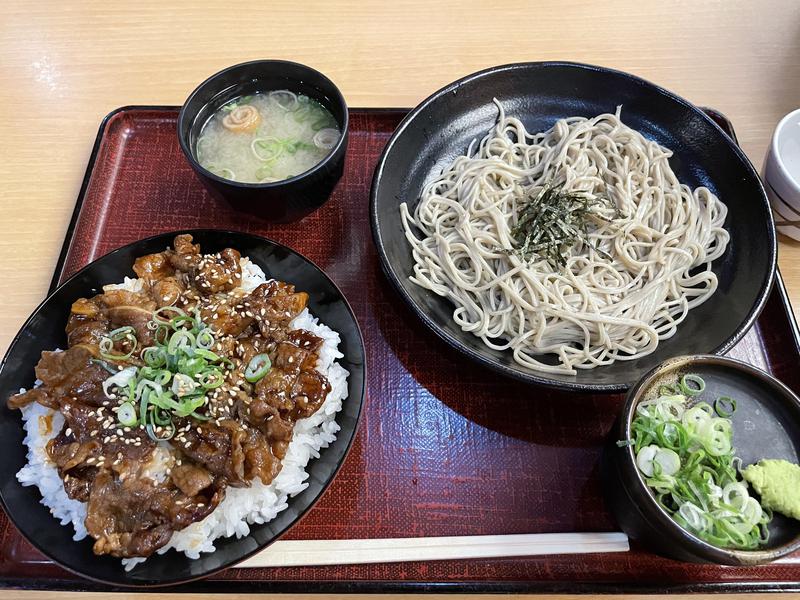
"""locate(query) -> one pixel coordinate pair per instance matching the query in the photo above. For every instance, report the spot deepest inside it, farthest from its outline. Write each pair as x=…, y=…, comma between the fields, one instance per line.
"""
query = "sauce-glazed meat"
x=172, y=390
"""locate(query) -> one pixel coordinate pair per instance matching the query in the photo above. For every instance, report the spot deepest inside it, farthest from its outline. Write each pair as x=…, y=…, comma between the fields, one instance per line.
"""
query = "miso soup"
x=266, y=137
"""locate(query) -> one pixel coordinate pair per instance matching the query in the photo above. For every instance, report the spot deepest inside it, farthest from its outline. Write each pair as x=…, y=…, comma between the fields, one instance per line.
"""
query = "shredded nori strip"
x=553, y=221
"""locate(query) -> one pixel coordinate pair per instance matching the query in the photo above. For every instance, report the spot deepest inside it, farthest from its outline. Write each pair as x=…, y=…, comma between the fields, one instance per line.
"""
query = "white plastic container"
x=782, y=175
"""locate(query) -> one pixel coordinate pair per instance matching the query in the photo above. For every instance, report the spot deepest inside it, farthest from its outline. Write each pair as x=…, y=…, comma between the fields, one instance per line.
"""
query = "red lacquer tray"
x=445, y=447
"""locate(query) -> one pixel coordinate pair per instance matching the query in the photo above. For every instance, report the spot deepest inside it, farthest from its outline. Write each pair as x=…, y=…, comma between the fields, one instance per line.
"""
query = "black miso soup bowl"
x=766, y=424
x=280, y=201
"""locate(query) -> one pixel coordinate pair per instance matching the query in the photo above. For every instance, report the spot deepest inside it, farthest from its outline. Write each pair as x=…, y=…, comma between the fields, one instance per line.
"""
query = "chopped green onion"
x=320, y=123
x=178, y=370
x=177, y=322
x=126, y=415
x=257, y=368
x=154, y=356
x=122, y=334
x=163, y=319
x=267, y=149
x=180, y=340
x=151, y=431
x=189, y=405
x=183, y=385
x=205, y=339
x=210, y=379
x=207, y=354
x=668, y=390
x=105, y=365
x=684, y=453
x=689, y=390
x=302, y=114
x=725, y=406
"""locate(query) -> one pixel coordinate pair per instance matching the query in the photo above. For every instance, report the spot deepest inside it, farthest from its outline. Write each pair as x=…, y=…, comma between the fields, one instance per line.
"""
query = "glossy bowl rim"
x=302, y=514
x=184, y=144
x=530, y=376
x=652, y=510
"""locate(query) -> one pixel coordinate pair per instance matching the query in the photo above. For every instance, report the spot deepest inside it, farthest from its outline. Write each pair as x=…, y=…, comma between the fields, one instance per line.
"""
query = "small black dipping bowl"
x=280, y=201
x=766, y=424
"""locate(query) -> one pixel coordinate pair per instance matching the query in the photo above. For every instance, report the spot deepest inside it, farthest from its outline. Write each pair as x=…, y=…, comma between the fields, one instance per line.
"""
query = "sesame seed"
x=68, y=431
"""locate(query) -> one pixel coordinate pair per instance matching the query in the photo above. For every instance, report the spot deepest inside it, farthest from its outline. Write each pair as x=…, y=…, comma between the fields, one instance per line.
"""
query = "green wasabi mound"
x=778, y=484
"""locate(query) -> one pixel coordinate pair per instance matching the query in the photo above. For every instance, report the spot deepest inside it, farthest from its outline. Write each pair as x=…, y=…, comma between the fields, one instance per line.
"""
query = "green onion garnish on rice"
x=179, y=370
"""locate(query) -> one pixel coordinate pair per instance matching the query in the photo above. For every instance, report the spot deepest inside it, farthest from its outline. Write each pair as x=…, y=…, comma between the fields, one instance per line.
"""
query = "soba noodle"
x=645, y=263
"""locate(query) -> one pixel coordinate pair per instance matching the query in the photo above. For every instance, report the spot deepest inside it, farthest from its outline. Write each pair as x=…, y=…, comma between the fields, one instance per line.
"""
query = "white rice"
x=241, y=507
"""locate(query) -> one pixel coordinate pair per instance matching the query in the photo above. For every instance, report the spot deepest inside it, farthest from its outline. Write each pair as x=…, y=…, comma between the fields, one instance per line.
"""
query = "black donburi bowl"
x=44, y=330
x=442, y=127
x=281, y=201
x=766, y=424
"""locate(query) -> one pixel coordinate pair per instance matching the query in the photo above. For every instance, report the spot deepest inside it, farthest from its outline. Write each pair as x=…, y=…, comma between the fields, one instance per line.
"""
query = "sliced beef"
x=225, y=319
x=135, y=517
x=276, y=304
x=259, y=460
x=154, y=266
x=33, y=395
x=135, y=317
x=116, y=298
x=218, y=273
x=191, y=479
x=167, y=291
x=66, y=375
x=217, y=447
x=186, y=255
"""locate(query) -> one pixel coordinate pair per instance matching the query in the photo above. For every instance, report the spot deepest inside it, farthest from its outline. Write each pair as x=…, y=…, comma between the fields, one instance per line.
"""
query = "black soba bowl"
x=766, y=425
x=280, y=201
x=442, y=127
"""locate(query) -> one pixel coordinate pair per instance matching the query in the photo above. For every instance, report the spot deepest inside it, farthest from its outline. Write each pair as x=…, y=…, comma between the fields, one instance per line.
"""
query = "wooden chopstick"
x=296, y=553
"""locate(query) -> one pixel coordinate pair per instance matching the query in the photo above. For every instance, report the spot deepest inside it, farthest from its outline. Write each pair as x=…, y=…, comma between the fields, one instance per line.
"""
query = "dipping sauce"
x=266, y=137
